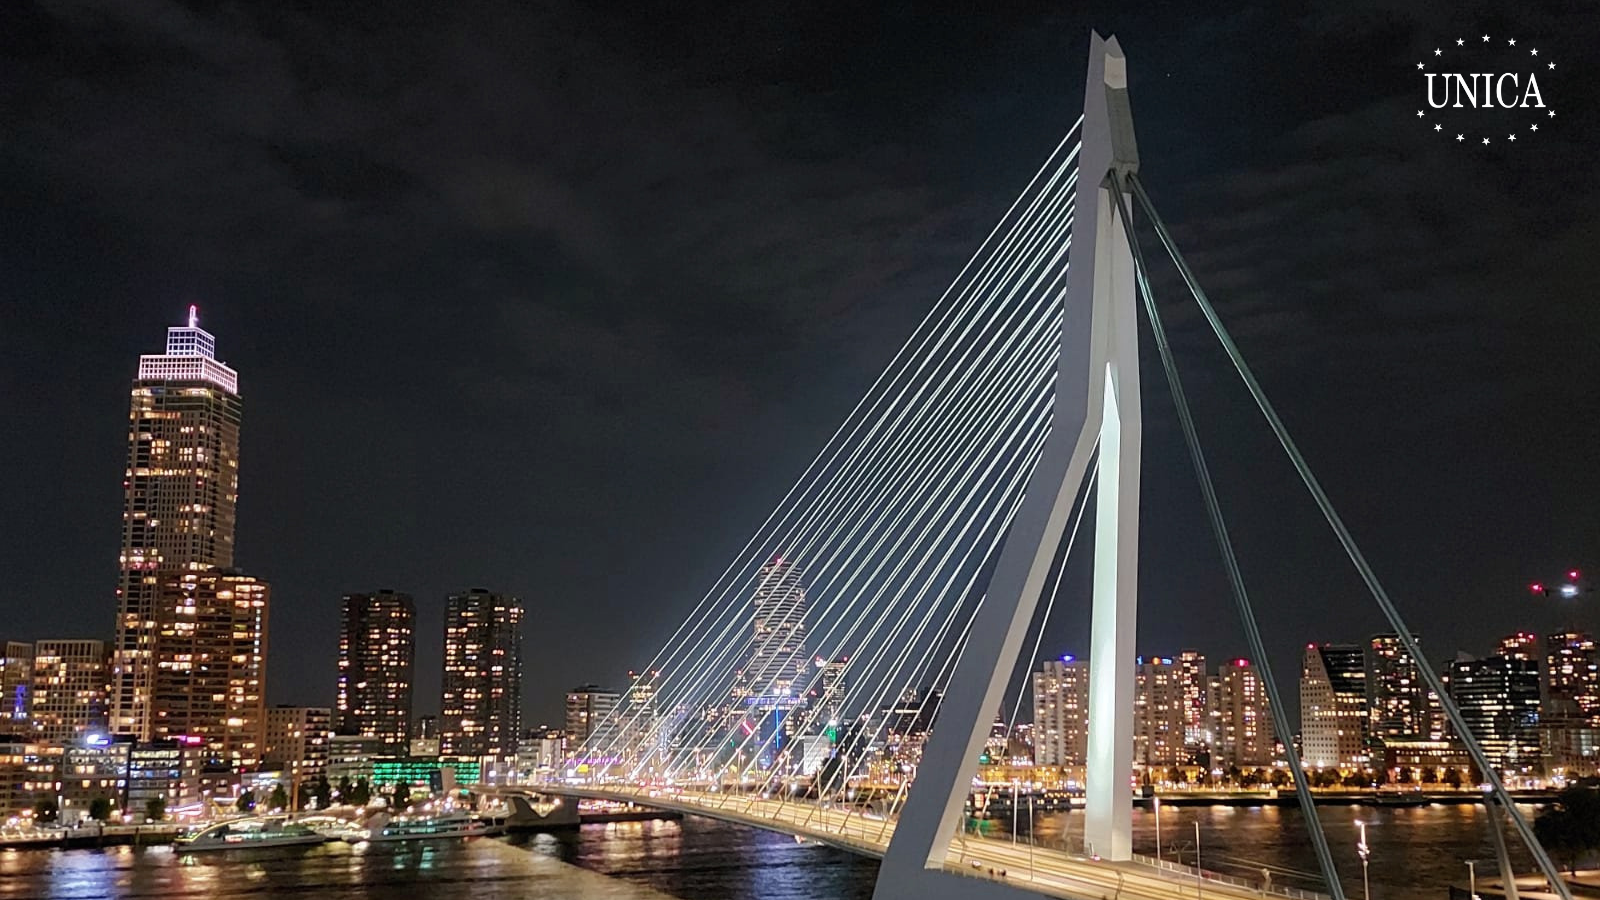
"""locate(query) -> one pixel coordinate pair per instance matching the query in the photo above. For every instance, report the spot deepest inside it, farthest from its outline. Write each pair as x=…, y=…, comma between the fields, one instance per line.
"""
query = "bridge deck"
x=1046, y=870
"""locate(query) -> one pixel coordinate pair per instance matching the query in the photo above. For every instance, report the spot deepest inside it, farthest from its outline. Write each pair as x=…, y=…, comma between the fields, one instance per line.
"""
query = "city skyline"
x=539, y=321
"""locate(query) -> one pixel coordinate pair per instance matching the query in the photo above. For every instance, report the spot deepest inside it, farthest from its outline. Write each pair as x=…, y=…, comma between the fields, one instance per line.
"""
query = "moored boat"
x=250, y=834
x=381, y=828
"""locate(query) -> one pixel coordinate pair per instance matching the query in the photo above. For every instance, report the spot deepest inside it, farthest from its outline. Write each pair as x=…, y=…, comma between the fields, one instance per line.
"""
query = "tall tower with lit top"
x=179, y=493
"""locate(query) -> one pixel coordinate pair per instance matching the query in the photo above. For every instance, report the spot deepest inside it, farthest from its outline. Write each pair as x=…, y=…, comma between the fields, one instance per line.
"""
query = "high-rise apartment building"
x=16, y=688
x=1193, y=677
x=179, y=494
x=591, y=713
x=1061, y=712
x=69, y=690
x=297, y=741
x=377, y=655
x=1499, y=699
x=1399, y=701
x=1571, y=677
x=778, y=659
x=1159, y=714
x=481, y=708
x=1243, y=734
x=830, y=688
x=1522, y=645
x=211, y=664
x=1333, y=706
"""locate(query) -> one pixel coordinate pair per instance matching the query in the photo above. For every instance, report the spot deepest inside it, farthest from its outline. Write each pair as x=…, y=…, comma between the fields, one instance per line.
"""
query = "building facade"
x=1399, y=706
x=481, y=706
x=1243, y=734
x=1571, y=677
x=211, y=652
x=377, y=658
x=1061, y=712
x=1159, y=714
x=179, y=495
x=778, y=659
x=591, y=717
x=16, y=688
x=1499, y=699
x=1333, y=706
x=69, y=691
x=297, y=742
x=1194, y=678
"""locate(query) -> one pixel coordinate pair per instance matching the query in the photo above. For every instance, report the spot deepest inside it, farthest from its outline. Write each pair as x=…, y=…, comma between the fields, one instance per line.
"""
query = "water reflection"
x=1416, y=853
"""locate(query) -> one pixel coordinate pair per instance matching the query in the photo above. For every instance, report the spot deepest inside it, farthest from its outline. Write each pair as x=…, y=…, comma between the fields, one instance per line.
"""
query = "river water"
x=1415, y=853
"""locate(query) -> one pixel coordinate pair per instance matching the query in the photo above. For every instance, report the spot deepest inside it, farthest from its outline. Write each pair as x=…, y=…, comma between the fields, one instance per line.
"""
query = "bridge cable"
x=1390, y=611
x=667, y=649
x=734, y=607
x=1219, y=528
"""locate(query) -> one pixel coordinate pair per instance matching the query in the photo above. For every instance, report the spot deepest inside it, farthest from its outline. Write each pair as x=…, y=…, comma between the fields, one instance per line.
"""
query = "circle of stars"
x=1486, y=141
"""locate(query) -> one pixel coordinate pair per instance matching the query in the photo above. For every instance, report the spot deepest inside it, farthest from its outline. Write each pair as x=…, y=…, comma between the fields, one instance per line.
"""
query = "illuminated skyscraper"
x=1523, y=645
x=481, y=709
x=1499, y=699
x=1193, y=680
x=1158, y=734
x=1399, y=701
x=210, y=681
x=1244, y=735
x=377, y=653
x=69, y=690
x=828, y=697
x=778, y=657
x=1333, y=706
x=179, y=493
x=1572, y=676
x=1061, y=712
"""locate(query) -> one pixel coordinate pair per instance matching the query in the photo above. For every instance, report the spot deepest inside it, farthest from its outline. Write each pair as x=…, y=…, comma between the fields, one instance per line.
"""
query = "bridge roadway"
x=1043, y=870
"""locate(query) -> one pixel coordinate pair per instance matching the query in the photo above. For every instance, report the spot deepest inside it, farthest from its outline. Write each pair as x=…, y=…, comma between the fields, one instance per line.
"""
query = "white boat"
x=381, y=828
x=250, y=834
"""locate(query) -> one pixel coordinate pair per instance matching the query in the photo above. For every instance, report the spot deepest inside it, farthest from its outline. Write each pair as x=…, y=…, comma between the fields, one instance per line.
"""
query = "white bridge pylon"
x=1097, y=401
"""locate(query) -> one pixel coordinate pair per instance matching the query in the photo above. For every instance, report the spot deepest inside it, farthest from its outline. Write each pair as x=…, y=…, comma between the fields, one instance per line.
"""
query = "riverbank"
x=82, y=838
x=1387, y=799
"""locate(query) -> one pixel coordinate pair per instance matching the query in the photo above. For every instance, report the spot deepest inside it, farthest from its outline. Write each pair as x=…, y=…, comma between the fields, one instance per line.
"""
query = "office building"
x=1333, y=706
x=211, y=652
x=69, y=691
x=179, y=496
x=481, y=707
x=377, y=657
x=1061, y=712
x=1499, y=699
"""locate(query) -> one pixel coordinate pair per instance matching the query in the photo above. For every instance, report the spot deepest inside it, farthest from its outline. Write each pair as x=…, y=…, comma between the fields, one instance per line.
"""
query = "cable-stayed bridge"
x=920, y=556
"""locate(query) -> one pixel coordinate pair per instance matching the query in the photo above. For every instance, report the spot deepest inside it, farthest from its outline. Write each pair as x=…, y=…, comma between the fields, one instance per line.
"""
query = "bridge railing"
x=1168, y=865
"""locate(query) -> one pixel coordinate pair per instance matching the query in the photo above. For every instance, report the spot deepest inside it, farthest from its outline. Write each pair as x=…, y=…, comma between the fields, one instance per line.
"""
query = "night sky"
x=557, y=299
